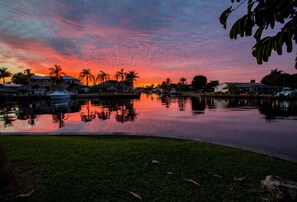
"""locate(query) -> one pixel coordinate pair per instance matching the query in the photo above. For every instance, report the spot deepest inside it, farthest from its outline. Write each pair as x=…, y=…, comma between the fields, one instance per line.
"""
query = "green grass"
x=107, y=169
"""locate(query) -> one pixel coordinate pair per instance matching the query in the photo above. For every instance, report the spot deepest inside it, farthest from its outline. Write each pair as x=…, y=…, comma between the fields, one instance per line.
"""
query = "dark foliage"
x=264, y=15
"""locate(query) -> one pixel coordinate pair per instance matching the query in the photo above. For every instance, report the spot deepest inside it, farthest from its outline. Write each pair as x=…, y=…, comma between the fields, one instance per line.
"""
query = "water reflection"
x=198, y=105
x=267, y=125
x=124, y=110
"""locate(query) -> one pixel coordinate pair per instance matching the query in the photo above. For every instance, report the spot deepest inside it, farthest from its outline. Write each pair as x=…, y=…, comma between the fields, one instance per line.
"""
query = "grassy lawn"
x=108, y=169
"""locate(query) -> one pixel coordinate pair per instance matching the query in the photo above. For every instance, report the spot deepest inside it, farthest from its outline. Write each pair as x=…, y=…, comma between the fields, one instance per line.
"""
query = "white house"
x=237, y=88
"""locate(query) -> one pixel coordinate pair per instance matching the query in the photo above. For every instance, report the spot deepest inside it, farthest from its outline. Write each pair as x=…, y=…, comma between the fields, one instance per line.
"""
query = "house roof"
x=10, y=85
x=244, y=85
x=48, y=77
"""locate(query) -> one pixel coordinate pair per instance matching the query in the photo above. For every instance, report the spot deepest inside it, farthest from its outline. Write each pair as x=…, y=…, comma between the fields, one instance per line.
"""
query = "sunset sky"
x=157, y=38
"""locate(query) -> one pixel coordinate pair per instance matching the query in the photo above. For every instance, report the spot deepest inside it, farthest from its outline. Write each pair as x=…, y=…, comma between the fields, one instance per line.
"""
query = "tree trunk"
x=5, y=169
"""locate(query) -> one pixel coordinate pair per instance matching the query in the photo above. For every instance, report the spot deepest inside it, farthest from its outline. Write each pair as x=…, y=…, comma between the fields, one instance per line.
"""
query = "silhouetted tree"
x=86, y=74
x=102, y=76
x=120, y=74
x=264, y=15
x=57, y=74
x=19, y=78
x=199, y=82
x=279, y=78
x=209, y=86
x=131, y=76
x=4, y=73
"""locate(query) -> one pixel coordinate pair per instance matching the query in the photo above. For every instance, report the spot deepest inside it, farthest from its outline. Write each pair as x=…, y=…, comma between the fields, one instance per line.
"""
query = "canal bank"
x=121, y=168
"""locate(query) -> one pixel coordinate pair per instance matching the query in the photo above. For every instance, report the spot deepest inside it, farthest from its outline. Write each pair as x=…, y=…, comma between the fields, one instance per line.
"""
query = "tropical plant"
x=86, y=74
x=183, y=81
x=22, y=78
x=102, y=76
x=19, y=78
x=168, y=81
x=4, y=73
x=120, y=74
x=264, y=15
x=56, y=74
x=131, y=76
x=279, y=78
x=28, y=74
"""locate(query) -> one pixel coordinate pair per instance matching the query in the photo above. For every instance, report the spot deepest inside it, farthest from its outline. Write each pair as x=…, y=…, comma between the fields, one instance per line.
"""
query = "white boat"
x=286, y=91
x=59, y=94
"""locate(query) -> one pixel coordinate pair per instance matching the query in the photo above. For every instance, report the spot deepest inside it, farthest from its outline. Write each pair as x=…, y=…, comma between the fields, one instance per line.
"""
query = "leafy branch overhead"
x=264, y=15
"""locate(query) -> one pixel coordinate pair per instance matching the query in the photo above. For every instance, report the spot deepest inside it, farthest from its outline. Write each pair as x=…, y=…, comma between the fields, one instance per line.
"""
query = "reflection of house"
x=250, y=88
x=111, y=85
x=47, y=82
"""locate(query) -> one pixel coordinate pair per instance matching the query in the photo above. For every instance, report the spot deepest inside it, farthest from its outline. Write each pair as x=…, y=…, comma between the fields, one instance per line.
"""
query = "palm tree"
x=183, y=81
x=28, y=74
x=4, y=73
x=120, y=74
x=86, y=74
x=56, y=74
x=102, y=76
x=131, y=76
x=168, y=81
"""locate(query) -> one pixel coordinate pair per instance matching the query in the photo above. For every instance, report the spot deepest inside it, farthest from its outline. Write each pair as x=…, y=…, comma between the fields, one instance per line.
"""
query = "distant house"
x=45, y=82
x=111, y=85
x=245, y=88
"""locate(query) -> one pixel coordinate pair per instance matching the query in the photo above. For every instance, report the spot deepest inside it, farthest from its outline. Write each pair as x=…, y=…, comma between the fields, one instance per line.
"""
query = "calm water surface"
x=267, y=126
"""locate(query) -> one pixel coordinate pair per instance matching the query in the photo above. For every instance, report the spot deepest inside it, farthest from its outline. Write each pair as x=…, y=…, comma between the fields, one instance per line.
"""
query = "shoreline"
x=145, y=136
x=91, y=169
x=77, y=96
x=237, y=96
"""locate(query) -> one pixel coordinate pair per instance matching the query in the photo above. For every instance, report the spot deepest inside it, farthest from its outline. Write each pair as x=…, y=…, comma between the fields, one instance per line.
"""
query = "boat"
x=286, y=91
x=59, y=94
x=174, y=92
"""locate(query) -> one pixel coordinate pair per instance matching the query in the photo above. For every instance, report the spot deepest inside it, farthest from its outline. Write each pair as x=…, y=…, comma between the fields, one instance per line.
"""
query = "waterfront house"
x=246, y=88
x=110, y=86
x=9, y=89
x=45, y=82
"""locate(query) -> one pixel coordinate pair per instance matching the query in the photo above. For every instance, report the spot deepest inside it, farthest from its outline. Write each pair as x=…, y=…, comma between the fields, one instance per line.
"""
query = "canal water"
x=265, y=126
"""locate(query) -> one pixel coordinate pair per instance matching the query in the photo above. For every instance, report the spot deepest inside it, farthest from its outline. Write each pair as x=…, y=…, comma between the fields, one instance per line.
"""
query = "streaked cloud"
x=156, y=38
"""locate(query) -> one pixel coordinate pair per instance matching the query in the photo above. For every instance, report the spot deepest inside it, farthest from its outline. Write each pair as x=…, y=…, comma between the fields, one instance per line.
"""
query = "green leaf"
x=288, y=41
x=224, y=17
x=258, y=33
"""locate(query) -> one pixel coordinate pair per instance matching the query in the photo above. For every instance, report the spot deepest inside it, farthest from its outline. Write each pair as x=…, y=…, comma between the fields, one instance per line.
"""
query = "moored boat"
x=59, y=94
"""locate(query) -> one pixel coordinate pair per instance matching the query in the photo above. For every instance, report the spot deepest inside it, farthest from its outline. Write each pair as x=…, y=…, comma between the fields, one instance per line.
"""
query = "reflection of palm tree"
x=120, y=74
x=90, y=115
x=126, y=113
x=181, y=103
x=104, y=114
x=182, y=82
x=102, y=76
x=131, y=76
x=4, y=73
x=56, y=74
x=120, y=114
x=86, y=74
x=131, y=113
x=59, y=117
x=8, y=118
